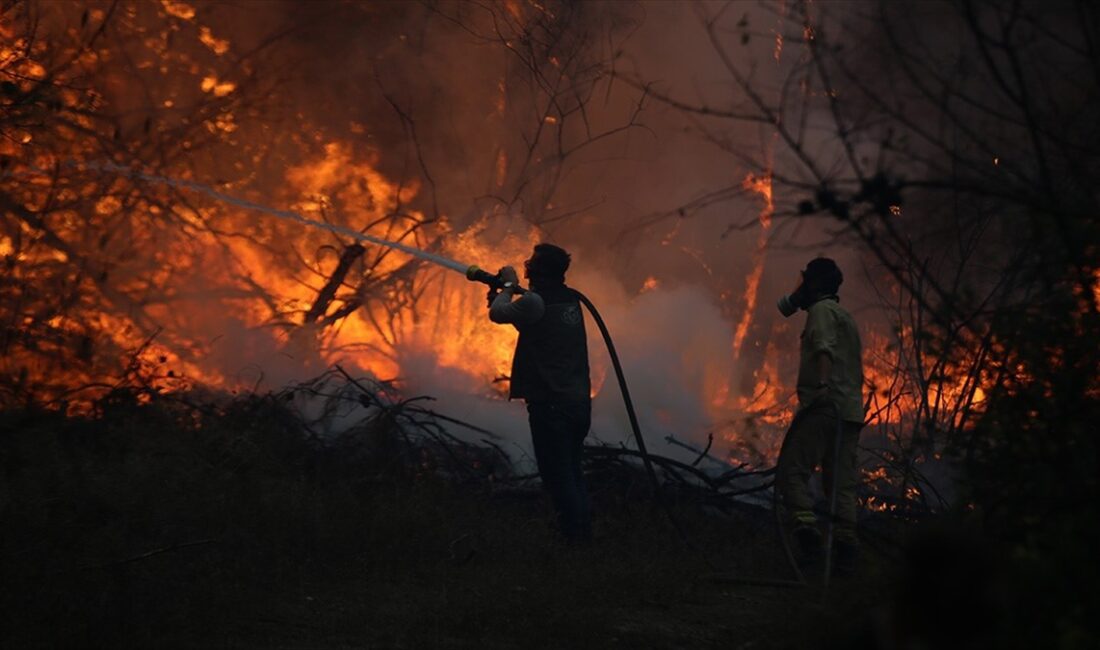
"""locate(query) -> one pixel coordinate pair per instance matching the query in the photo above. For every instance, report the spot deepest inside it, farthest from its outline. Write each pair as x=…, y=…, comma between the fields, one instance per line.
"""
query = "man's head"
x=822, y=277
x=547, y=265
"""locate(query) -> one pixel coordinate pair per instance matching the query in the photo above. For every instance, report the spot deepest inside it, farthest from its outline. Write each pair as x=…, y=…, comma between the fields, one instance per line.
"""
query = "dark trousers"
x=558, y=430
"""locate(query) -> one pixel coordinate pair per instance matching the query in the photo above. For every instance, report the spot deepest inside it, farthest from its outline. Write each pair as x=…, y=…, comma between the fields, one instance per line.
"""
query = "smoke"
x=674, y=362
x=674, y=349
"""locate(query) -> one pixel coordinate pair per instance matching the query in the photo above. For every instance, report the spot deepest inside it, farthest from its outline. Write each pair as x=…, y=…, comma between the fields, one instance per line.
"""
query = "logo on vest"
x=571, y=315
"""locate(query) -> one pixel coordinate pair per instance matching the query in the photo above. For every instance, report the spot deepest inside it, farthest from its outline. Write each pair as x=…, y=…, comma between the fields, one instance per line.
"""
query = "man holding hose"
x=550, y=372
x=826, y=427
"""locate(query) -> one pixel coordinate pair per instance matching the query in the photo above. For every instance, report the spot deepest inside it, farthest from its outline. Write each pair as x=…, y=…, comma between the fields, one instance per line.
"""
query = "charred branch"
x=339, y=275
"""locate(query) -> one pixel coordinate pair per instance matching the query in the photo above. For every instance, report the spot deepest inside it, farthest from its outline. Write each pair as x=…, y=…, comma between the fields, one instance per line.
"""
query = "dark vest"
x=551, y=360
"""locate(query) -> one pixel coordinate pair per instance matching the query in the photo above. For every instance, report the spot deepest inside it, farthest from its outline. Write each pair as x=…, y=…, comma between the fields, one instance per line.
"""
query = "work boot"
x=846, y=556
x=808, y=546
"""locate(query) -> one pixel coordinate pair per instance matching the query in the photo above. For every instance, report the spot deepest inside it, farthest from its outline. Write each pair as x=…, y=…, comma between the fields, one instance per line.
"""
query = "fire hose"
x=475, y=274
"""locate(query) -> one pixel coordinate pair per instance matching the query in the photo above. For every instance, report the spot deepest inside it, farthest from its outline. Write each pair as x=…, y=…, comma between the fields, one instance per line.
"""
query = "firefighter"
x=830, y=385
x=550, y=372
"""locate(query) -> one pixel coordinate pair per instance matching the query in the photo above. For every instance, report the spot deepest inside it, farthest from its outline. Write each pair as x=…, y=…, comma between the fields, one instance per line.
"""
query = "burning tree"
x=115, y=276
x=100, y=264
x=89, y=256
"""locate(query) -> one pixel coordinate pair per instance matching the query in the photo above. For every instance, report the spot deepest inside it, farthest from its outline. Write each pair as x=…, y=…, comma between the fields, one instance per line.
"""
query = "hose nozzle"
x=476, y=274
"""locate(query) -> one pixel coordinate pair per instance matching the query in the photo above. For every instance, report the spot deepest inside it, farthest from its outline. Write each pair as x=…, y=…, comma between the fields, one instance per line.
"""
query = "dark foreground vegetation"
x=163, y=525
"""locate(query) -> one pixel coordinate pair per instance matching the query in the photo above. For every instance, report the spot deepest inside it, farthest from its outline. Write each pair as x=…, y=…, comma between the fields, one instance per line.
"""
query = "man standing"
x=550, y=372
x=826, y=427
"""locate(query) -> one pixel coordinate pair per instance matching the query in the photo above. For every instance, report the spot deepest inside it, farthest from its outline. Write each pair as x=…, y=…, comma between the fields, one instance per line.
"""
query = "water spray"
x=282, y=214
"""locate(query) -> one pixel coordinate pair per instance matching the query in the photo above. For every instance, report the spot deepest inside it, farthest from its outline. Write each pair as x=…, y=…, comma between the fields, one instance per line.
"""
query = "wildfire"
x=207, y=293
x=211, y=84
x=211, y=293
x=217, y=45
x=420, y=311
x=895, y=397
x=178, y=9
x=446, y=317
x=771, y=396
x=761, y=185
x=1096, y=289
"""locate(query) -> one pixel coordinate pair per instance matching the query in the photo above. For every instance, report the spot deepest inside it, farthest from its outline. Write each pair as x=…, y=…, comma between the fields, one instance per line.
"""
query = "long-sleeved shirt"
x=831, y=331
x=526, y=309
x=551, y=359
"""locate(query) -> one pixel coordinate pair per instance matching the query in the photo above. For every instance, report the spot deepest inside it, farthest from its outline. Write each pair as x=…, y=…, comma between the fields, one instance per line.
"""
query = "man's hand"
x=508, y=274
x=491, y=295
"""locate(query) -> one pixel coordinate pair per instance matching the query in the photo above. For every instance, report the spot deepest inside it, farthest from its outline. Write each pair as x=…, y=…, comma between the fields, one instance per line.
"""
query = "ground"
x=137, y=530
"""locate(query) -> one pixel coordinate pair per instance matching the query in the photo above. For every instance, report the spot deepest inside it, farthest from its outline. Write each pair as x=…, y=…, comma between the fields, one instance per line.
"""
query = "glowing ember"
x=211, y=84
x=217, y=45
x=178, y=9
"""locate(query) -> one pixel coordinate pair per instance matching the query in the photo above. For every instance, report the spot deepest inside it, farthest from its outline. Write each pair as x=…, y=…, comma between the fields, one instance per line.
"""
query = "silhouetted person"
x=550, y=372
x=830, y=386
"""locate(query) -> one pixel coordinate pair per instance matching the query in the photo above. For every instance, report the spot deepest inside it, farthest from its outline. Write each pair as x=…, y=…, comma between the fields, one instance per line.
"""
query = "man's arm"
x=527, y=309
x=824, y=363
x=821, y=331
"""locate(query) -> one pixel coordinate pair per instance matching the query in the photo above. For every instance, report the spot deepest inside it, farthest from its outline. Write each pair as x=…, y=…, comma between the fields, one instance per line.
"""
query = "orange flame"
x=761, y=185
